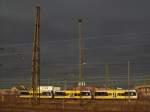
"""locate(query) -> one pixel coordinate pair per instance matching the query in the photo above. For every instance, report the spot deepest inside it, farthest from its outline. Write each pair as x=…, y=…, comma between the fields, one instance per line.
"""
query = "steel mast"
x=36, y=59
x=81, y=53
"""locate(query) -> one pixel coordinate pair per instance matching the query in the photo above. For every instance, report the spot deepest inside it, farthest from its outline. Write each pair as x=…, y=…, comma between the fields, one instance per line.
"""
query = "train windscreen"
x=24, y=93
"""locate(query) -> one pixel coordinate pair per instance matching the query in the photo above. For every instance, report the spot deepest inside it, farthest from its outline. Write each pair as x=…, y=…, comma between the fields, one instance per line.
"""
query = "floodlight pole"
x=129, y=79
x=81, y=52
x=106, y=72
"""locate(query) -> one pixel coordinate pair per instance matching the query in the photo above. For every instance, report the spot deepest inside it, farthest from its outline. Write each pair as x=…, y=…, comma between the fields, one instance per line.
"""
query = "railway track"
x=77, y=106
x=14, y=104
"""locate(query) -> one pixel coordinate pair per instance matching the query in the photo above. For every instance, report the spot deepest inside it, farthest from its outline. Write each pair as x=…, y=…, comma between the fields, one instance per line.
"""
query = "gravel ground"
x=11, y=103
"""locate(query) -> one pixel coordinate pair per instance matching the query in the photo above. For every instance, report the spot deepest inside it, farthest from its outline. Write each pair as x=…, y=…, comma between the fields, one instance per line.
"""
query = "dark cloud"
x=114, y=31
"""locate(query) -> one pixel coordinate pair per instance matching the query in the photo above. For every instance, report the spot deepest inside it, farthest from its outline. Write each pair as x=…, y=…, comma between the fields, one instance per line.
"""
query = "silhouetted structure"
x=81, y=53
x=36, y=59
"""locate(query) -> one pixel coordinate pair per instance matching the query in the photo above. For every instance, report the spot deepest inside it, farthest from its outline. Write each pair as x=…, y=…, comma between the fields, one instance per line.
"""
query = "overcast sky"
x=115, y=31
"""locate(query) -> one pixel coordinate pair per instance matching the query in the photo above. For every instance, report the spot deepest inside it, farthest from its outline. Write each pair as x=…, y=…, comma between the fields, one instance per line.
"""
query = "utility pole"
x=36, y=60
x=106, y=72
x=129, y=79
x=65, y=84
x=81, y=52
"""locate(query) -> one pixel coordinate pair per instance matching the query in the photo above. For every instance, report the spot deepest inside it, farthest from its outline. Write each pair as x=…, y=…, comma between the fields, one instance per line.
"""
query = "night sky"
x=115, y=32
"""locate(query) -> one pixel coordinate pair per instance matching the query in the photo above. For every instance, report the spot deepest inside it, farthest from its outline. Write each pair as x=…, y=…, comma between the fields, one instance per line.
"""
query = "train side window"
x=46, y=93
x=77, y=94
x=130, y=93
x=85, y=94
x=24, y=93
x=101, y=94
x=60, y=94
x=127, y=94
x=121, y=94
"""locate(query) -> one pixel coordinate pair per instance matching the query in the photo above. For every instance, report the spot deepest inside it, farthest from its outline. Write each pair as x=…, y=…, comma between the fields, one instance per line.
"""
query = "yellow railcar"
x=42, y=94
x=73, y=94
x=104, y=94
x=117, y=94
x=108, y=94
x=29, y=94
x=126, y=94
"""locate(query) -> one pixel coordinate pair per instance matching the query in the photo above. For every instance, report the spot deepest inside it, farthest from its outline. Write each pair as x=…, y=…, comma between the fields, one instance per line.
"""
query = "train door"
x=120, y=94
x=114, y=95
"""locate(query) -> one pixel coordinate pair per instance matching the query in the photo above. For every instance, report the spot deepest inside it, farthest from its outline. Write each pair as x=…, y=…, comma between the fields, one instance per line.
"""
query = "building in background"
x=49, y=88
x=143, y=91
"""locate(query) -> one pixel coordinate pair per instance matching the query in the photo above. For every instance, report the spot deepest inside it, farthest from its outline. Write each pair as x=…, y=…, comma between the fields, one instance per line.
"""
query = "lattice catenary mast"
x=36, y=59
